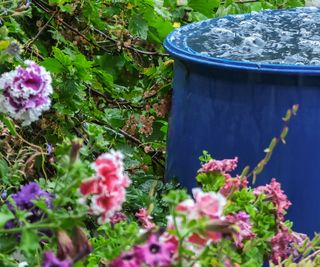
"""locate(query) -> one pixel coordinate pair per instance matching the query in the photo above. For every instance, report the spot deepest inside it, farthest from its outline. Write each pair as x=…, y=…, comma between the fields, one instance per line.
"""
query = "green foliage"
x=112, y=88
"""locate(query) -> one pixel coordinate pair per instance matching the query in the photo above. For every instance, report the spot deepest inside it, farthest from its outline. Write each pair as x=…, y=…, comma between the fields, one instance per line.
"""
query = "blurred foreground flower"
x=50, y=260
x=25, y=92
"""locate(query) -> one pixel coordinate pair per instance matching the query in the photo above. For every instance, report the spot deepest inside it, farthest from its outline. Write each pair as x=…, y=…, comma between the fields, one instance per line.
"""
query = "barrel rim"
x=196, y=57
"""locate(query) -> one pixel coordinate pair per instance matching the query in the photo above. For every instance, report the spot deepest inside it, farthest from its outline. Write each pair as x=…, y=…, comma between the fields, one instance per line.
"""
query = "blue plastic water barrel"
x=233, y=108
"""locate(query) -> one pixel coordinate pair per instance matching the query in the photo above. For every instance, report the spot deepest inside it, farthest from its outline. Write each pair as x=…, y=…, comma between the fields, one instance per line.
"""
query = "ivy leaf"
x=138, y=26
x=204, y=6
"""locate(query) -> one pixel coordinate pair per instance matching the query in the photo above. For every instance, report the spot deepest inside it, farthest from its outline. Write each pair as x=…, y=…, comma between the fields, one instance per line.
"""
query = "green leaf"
x=52, y=65
x=138, y=26
x=9, y=123
x=29, y=242
x=205, y=7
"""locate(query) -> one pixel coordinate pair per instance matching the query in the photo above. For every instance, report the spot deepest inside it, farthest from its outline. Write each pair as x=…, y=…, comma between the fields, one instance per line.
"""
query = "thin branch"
x=48, y=11
x=154, y=154
x=41, y=29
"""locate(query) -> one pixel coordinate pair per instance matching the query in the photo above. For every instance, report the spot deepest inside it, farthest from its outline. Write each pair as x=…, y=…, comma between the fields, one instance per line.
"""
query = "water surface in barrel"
x=277, y=37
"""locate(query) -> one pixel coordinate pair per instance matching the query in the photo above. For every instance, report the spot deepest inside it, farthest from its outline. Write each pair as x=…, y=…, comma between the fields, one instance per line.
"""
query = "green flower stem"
x=29, y=227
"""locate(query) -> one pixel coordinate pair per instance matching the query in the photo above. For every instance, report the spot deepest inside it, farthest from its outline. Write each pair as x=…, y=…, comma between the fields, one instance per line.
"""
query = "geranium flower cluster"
x=274, y=192
x=223, y=166
x=107, y=187
x=25, y=92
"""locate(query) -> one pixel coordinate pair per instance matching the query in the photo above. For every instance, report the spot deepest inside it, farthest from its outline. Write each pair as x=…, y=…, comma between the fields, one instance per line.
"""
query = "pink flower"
x=145, y=219
x=224, y=166
x=126, y=259
x=107, y=187
x=209, y=204
x=233, y=184
x=118, y=217
x=25, y=92
x=156, y=253
x=279, y=199
x=228, y=263
x=206, y=204
x=281, y=245
x=242, y=221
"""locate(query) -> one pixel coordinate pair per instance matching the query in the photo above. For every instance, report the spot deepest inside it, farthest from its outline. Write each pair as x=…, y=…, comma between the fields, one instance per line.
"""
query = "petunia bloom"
x=24, y=201
x=205, y=205
x=126, y=259
x=28, y=193
x=107, y=187
x=25, y=92
x=50, y=260
x=155, y=253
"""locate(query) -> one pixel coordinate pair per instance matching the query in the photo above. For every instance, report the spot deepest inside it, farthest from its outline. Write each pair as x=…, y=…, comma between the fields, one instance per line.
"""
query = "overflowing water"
x=278, y=37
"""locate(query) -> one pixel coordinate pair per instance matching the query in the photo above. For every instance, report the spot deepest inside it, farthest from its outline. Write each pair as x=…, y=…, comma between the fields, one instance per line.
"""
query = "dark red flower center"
x=154, y=248
x=127, y=257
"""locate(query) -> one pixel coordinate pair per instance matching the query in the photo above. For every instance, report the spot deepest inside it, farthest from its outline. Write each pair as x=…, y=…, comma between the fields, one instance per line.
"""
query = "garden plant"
x=85, y=90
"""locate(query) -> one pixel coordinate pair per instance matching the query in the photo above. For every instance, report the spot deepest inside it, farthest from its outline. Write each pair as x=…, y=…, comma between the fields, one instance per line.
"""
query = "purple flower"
x=4, y=194
x=155, y=253
x=25, y=92
x=50, y=260
x=28, y=193
x=23, y=200
x=126, y=259
x=242, y=221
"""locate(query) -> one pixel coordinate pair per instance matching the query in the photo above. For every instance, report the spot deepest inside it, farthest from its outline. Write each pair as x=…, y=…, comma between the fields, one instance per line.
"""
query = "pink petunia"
x=107, y=187
x=155, y=253
x=126, y=259
x=209, y=204
x=205, y=204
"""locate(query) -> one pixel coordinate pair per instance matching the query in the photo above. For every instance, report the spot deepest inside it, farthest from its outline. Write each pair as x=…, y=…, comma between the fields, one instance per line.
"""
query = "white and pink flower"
x=107, y=187
x=25, y=92
x=205, y=204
